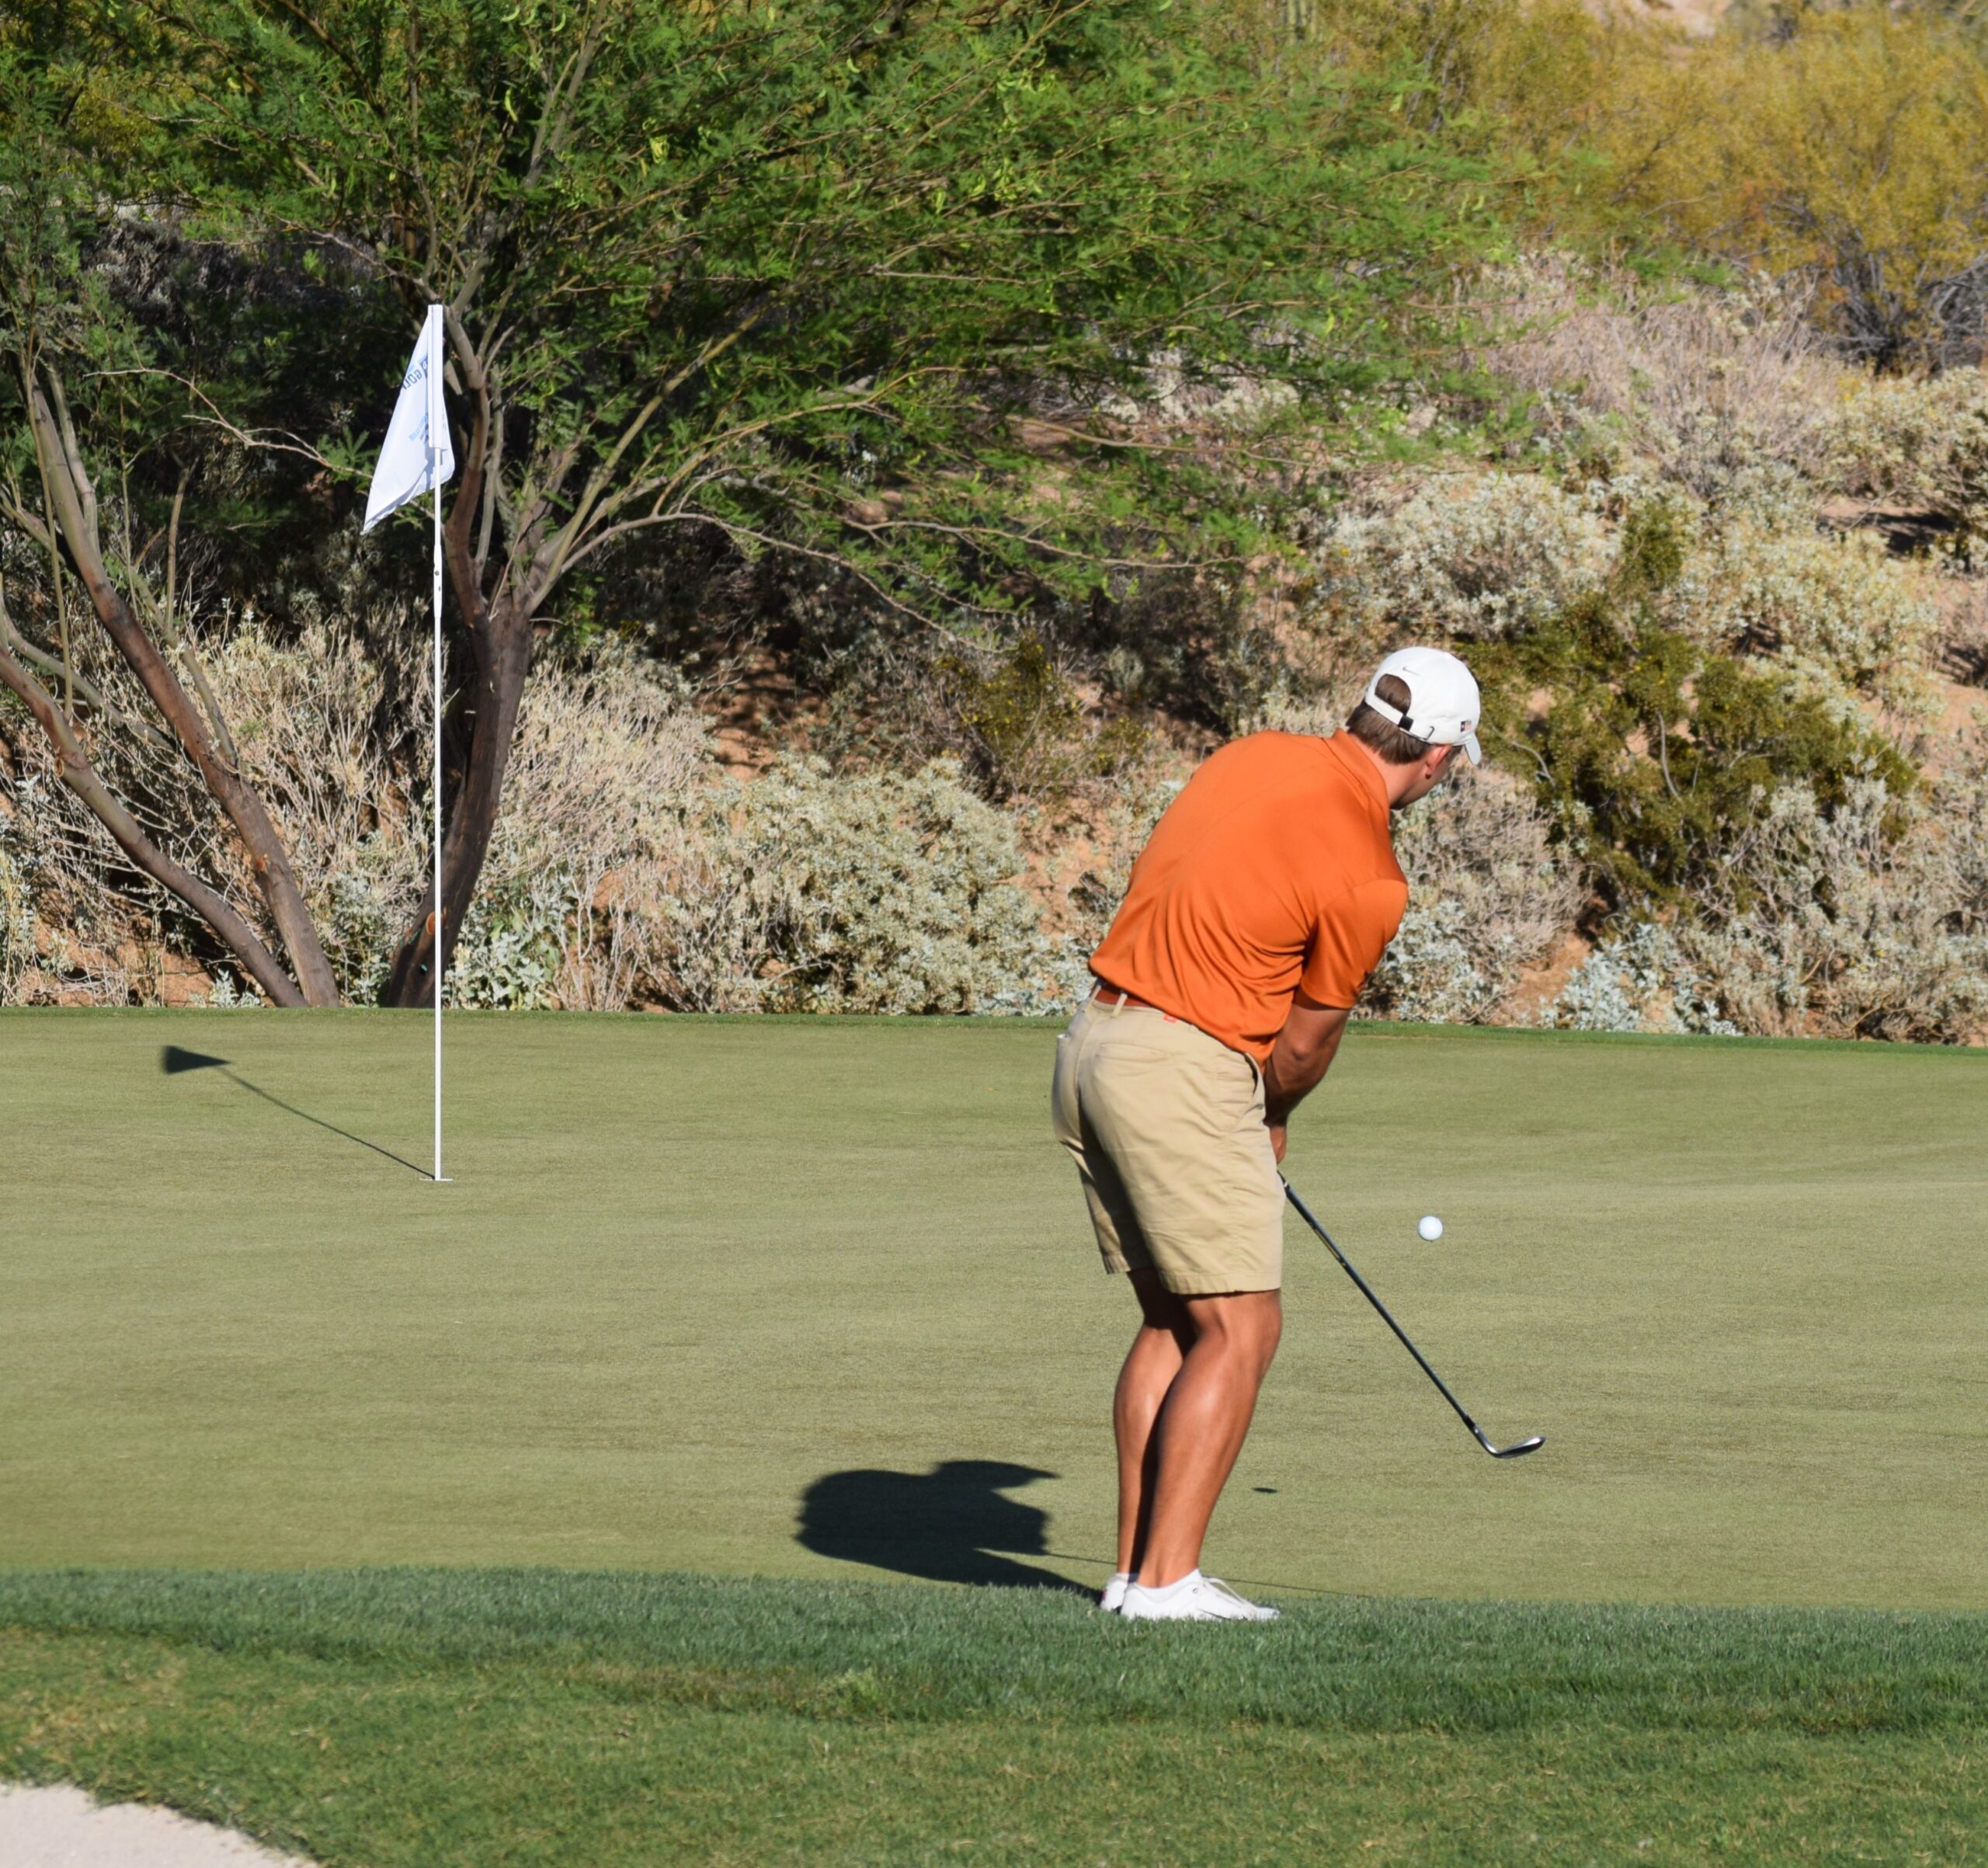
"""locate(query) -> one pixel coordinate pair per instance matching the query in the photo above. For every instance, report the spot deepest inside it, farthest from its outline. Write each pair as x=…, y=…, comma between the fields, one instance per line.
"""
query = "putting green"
x=690, y=1272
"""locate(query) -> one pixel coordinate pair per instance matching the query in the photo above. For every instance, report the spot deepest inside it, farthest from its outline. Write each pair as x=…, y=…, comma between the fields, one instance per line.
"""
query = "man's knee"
x=1244, y=1323
x=1269, y=1331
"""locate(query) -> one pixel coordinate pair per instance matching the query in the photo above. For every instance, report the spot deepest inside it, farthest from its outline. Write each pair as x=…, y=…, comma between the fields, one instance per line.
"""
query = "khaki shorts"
x=1166, y=1125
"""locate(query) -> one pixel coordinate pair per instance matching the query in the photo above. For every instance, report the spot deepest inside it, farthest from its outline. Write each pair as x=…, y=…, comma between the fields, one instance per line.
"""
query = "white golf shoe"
x=1111, y=1598
x=1195, y=1598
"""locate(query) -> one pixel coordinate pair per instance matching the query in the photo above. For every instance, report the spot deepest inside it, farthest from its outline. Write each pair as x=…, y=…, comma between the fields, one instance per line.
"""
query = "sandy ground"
x=62, y=1828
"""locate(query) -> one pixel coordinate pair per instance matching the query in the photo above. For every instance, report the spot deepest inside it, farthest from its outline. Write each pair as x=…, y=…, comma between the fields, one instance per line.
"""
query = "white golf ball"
x=1430, y=1227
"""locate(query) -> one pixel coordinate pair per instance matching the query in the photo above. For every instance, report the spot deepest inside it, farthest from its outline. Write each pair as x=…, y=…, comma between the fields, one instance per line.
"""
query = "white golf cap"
x=1442, y=701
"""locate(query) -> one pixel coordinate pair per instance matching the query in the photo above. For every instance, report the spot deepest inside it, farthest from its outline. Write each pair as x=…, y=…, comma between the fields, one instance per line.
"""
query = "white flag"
x=408, y=465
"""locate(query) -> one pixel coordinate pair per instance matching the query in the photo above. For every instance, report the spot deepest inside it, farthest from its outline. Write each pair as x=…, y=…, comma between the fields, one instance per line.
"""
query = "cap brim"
x=1475, y=751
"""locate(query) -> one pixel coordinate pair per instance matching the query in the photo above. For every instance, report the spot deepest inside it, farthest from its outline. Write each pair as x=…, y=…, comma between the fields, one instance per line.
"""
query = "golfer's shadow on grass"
x=953, y=1524
x=176, y=1063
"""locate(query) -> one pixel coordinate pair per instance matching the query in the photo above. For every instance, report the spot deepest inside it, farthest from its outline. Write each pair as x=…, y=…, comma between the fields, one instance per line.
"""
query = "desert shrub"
x=619, y=870
x=1191, y=644
x=1831, y=921
x=99, y=931
x=316, y=721
x=1773, y=495
x=1920, y=442
x=1707, y=382
x=1867, y=917
x=517, y=940
x=17, y=951
x=1640, y=980
x=605, y=754
x=1488, y=896
x=609, y=758
x=323, y=725
x=1654, y=754
x=1021, y=719
x=1472, y=556
x=312, y=722
x=1835, y=614
x=883, y=892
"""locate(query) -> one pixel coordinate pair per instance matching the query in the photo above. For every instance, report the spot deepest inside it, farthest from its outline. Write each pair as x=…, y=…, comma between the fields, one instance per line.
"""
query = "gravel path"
x=61, y=1828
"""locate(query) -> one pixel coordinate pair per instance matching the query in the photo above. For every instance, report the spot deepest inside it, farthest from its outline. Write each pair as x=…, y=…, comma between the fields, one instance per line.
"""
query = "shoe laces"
x=1216, y=1586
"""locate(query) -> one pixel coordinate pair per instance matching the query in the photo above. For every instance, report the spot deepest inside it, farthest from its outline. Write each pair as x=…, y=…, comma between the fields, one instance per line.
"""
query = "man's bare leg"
x=1154, y=1360
x=1201, y=1424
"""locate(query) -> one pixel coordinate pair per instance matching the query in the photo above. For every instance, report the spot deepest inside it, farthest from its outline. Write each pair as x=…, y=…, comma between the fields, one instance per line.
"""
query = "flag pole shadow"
x=176, y=1062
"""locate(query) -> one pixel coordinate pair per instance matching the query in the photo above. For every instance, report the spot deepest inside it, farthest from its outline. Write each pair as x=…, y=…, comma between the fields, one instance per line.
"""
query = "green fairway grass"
x=812, y=1307
x=461, y=1719
x=692, y=1273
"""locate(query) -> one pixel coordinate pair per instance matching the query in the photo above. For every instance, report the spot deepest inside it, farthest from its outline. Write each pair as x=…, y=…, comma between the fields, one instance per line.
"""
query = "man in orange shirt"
x=1263, y=899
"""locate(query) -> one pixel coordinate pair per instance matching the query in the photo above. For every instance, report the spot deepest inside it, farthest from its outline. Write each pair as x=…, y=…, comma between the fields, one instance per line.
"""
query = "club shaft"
x=1367, y=1291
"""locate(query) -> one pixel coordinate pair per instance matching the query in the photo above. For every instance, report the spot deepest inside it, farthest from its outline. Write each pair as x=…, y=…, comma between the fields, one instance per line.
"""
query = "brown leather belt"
x=1110, y=995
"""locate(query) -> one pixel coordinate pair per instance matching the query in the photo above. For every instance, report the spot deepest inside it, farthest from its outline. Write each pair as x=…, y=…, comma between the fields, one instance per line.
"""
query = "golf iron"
x=1497, y=1452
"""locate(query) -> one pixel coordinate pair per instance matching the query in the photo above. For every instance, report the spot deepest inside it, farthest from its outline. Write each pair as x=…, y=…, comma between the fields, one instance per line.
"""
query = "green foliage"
x=1023, y=716
x=1838, y=143
x=1655, y=755
x=740, y=267
x=512, y=940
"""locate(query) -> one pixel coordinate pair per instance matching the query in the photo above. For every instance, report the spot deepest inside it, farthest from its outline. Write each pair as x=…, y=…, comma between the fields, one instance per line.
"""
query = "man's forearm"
x=1288, y=1083
x=1298, y=1065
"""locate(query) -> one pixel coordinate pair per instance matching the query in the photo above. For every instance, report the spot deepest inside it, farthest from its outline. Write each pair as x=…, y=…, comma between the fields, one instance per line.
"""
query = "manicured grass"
x=692, y=1273
x=415, y=1719
x=803, y=1304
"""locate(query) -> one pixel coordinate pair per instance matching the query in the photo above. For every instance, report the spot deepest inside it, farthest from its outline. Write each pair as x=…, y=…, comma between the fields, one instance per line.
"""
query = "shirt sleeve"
x=1352, y=934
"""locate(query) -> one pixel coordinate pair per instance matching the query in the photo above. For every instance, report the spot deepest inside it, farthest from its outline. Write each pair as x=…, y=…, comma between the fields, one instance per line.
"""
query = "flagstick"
x=435, y=419
x=395, y=486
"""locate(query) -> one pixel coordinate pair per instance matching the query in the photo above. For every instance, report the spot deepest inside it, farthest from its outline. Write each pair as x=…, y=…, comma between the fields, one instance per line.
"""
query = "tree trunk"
x=501, y=637
x=82, y=778
x=500, y=634
x=75, y=516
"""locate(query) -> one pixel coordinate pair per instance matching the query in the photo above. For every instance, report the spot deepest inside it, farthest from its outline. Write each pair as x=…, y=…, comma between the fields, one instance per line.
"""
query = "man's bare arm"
x=1303, y=1053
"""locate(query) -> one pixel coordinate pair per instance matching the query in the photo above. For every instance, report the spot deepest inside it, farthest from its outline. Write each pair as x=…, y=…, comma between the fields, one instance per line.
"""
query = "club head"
x=1510, y=1452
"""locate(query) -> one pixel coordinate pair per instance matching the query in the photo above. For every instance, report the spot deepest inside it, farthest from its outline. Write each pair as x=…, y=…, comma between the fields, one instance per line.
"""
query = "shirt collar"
x=1353, y=756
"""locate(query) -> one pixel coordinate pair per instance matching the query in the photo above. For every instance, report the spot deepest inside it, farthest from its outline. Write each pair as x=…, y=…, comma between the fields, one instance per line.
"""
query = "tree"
x=1846, y=146
x=802, y=276
x=55, y=319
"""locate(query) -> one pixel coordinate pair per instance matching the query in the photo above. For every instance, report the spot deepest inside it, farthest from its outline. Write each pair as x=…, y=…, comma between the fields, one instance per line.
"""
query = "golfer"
x=1263, y=899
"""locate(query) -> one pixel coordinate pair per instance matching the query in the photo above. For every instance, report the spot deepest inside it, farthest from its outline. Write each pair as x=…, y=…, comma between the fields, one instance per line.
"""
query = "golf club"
x=1497, y=1452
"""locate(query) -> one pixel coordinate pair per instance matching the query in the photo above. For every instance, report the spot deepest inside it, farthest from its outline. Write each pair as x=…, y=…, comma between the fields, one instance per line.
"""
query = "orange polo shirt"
x=1272, y=871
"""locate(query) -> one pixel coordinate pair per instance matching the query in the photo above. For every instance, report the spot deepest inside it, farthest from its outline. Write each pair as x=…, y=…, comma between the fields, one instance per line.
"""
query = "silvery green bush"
x=514, y=939
x=1867, y=919
x=1836, y=612
x=1841, y=923
x=882, y=892
x=1640, y=980
x=1918, y=442
x=1468, y=555
x=1489, y=896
